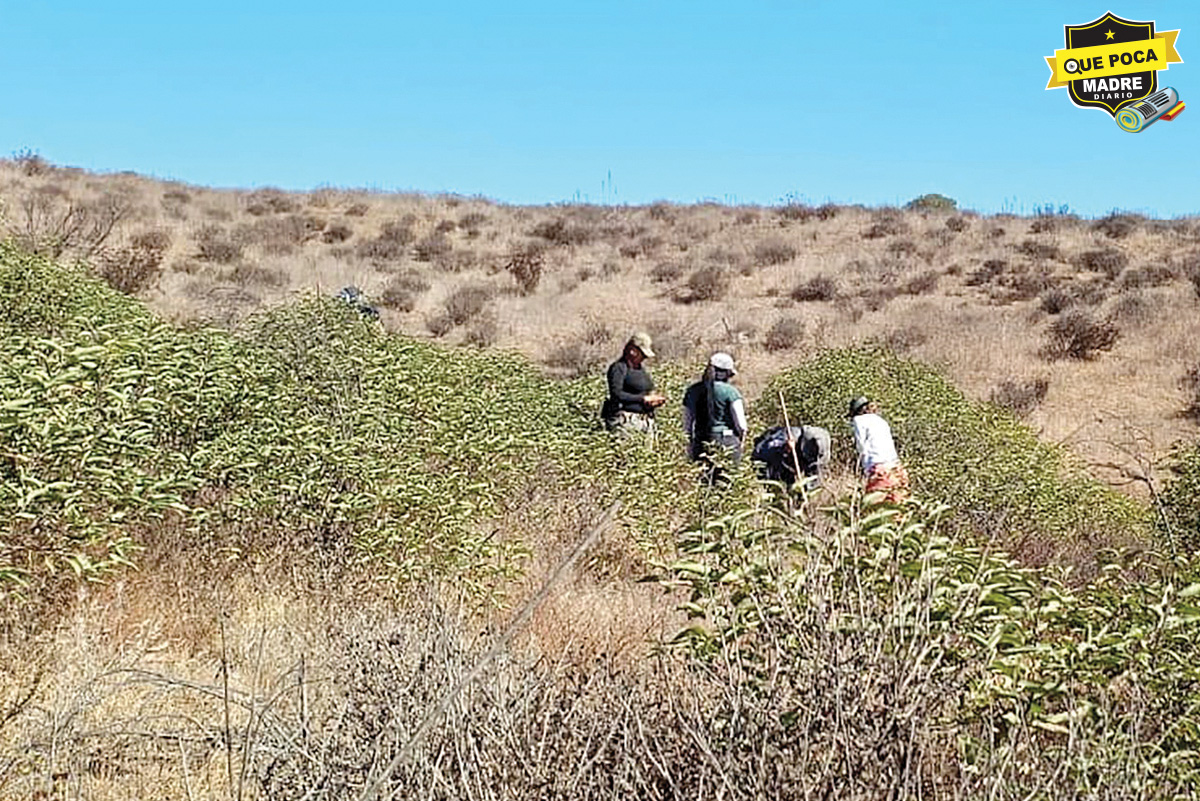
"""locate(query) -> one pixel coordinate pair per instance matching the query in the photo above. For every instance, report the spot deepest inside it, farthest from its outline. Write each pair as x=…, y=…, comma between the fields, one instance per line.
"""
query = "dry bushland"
x=976, y=295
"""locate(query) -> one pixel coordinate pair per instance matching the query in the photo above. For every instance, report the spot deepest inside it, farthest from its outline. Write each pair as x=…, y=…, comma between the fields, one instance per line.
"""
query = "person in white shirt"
x=877, y=451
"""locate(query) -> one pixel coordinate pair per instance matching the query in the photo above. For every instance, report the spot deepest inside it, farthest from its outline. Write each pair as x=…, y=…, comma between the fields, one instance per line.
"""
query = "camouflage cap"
x=641, y=341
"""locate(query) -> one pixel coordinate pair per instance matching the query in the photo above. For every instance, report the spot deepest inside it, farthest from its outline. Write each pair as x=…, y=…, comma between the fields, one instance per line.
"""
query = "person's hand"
x=654, y=400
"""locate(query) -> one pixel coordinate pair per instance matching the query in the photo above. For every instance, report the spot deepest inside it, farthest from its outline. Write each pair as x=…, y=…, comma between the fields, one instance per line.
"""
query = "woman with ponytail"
x=714, y=415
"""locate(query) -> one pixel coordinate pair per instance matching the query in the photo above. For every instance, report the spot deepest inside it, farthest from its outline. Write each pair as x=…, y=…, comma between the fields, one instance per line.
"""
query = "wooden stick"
x=787, y=428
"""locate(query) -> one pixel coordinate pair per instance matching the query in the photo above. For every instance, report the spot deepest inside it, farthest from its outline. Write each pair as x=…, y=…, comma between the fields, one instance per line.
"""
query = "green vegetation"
x=874, y=650
x=932, y=202
x=310, y=424
x=870, y=640
x=978, y=459
x=1181, y=501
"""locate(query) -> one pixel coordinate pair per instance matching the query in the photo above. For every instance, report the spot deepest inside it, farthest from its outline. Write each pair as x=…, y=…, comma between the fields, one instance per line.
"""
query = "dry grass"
x=945, y=286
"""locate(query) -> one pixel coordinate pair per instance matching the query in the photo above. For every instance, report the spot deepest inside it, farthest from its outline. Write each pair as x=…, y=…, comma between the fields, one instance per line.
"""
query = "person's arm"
x=738, y=406
x=689, y=420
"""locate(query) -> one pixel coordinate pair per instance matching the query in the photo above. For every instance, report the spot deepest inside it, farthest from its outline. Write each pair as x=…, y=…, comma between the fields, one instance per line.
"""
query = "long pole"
x=787, y=427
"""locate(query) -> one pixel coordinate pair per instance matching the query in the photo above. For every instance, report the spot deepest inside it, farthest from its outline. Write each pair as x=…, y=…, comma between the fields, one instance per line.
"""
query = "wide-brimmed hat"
x=858, y=404
x=641, y=341
x=723, y=361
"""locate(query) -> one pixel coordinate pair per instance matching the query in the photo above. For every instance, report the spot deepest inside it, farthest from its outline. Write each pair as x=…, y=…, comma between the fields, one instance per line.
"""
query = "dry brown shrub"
x=922, y=283
x=138, y=265
x=774, y=251
x=455, y=261
x=785, y=334
x=432, y=246
x=50, y=222
x=337, y=233
x=445, y=226
x=1190, y=384
x=1078, y=334
x=472, y=221
x=1039, y=251
x=526, y=269
x=906, y=339
x=746, y=217
x=642, y=246
x=402, y=291
x=280, y=235
x=250, y=275
x=1028, y=285
x=1108, y=261
x=577, y=358
x=31, y=163
x=987, y=272
x=1134, y=309
x=1149, y=276
x=1021, y=398
x=468, y=301
x=561, y=231
x=270, y=201
x=439, y=324
x=1118, y=225
x=482, y=332
x=958, y=224
x=887, y=222
x=796, y=212
x=665, y=272
x=817, y=288
x=215, y=244
x=357, y=210
x=661, y=211
x=391, y=244
x=902, y=247
x=705, y=284
x=827, y=211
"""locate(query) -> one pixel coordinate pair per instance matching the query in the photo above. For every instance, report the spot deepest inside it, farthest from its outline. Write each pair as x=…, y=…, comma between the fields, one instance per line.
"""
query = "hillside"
x=281, y=551
x=1084, y=327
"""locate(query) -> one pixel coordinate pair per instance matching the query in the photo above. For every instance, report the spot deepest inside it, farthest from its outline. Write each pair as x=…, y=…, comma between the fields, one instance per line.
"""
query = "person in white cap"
x=714, y=415
x=877, y=451
x=631, y=400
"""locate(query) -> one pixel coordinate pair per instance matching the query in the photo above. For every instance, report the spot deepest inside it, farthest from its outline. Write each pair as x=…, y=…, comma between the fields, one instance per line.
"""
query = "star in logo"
x=1108, y=34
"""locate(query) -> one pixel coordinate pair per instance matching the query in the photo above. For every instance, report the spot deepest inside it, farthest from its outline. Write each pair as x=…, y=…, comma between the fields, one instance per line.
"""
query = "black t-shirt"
x=627, y=389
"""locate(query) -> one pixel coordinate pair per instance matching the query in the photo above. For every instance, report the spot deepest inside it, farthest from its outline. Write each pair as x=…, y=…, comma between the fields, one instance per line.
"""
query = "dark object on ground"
x=352, y=296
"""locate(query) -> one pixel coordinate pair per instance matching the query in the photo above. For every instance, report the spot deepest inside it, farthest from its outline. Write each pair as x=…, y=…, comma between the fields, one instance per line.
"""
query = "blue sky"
x=541, y=102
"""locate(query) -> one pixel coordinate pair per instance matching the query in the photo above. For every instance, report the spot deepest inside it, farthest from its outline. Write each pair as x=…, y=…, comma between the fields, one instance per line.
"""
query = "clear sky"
x=541, y=102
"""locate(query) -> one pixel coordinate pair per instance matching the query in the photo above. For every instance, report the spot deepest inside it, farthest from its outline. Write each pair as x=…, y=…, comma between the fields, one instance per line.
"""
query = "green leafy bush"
x=932, y=202
x=872, y=638
x=974, y=457
x=309, y=425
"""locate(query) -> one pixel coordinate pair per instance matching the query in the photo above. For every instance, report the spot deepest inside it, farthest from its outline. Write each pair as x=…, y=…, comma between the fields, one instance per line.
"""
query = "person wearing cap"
x=629, y=407
x=877, y=451
x=714, y=415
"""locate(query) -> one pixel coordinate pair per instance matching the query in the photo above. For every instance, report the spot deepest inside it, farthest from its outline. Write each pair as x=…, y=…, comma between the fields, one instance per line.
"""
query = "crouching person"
x=781, y=451
x=877, y=452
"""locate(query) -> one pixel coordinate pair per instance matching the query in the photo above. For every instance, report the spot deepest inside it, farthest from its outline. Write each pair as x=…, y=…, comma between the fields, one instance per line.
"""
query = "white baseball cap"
x=723, y=361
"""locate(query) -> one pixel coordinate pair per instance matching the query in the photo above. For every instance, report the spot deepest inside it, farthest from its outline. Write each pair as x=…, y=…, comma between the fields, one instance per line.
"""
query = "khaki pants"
x=625, y=424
